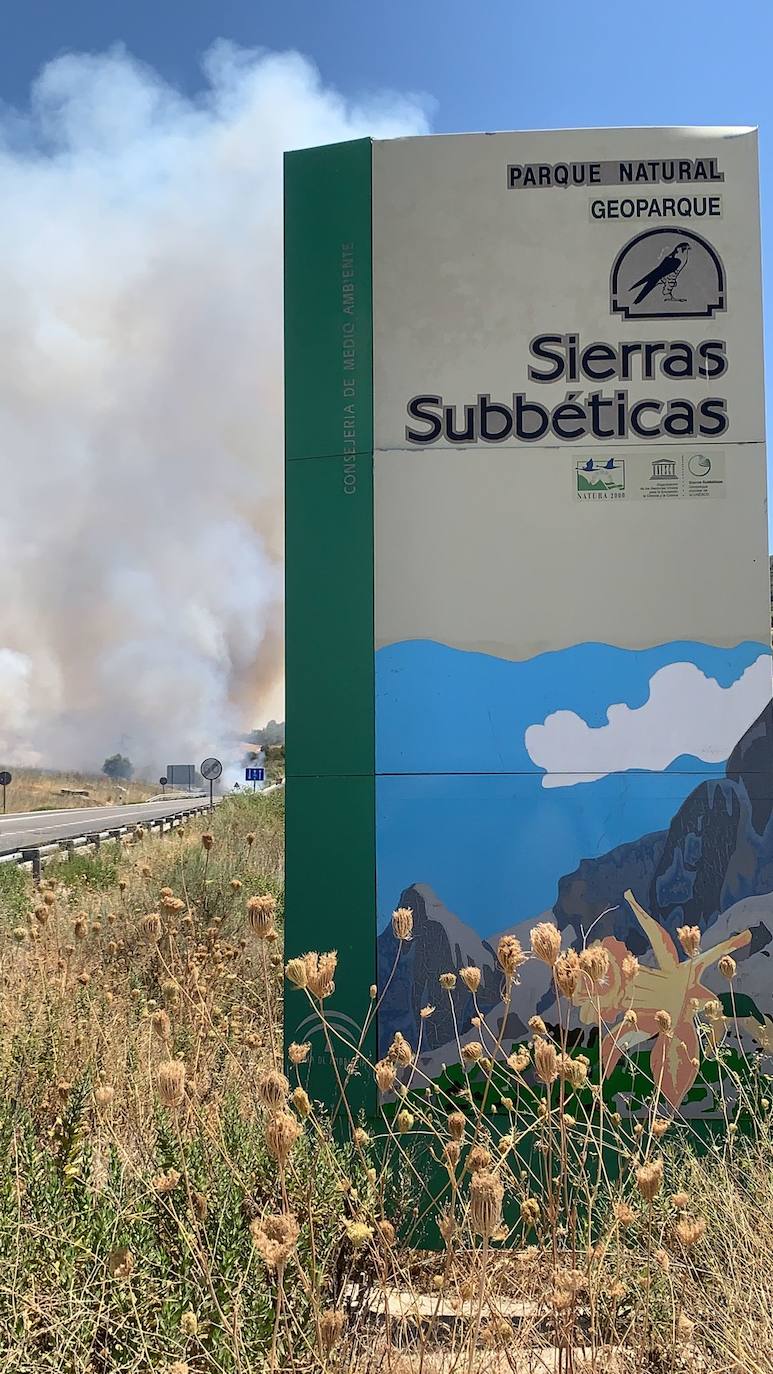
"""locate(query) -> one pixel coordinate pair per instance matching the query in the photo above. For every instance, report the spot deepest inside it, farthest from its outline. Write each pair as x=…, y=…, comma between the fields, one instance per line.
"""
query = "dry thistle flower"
x=400, y=1051
x=150, y=926
x=510, y=956
x=426, y=1012
x=447, y=981
x=546, y=942
x=161, y=1024
x=80, y=928
x=120, y=1262
x=624, y=1214
x=519, y=1061
x=573, y=1071
x=594, y=962
x=472, y=1052
x=167, y=1182
x=713, y=1010
x=199, y=1204
x=689, y=1230
x=49, y=898
x=261, y=912
x=207, y=841
x=145, y=871
x=385, y=1075
x=572, y=1281
x=358, y=1233
x=360, y=1138
x=664, y=1022
x=659, y=1126
x=41, y=915
x=689, y=938
x=386, y=1231
x=295, y=973
x=402, y=923
x=171, y=1082
x=630, y=967
x=250, y=838
x=236, y=884
x=272, y=1088
x=649, y=1179
x=486, y=1195
x=275, y=1237
x=446, y=1226
x=545, y=1061
x=530, y=1211
x=566, y=972
x=282, y=1132
x=84, y=979
x=537, y=1025
x=470, y=976
x=684, y=1328
x=298, y=1054
x=456, y=1124
x=331, y=1326
x=662, y=1260
x=404, y=1122
x=727, y=967
x=630, y=1020
x=679, y=1200
x=320, y=971
x=104, y=1096
x=189, y=1324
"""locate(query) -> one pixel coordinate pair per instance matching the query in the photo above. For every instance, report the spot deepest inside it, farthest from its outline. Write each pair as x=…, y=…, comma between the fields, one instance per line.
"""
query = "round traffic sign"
x=211, y=769
x=5, y=778
x=162, y=782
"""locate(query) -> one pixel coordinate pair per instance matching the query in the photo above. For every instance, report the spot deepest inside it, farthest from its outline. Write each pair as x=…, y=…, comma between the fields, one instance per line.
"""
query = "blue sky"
x=489, y=65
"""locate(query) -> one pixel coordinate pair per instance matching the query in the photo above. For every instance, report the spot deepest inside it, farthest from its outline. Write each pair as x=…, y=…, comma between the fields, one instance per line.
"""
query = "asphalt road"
x=27, y=830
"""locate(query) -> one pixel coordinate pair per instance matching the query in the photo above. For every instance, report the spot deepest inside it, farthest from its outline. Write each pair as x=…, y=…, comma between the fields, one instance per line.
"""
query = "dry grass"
x=34, y=789
x=170, y=1202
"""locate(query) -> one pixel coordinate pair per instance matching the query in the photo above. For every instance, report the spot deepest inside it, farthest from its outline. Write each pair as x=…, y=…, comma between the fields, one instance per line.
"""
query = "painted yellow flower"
x=670, y=986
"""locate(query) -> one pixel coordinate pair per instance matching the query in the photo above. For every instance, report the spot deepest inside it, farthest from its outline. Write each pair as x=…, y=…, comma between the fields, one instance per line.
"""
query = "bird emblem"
x=663, y=274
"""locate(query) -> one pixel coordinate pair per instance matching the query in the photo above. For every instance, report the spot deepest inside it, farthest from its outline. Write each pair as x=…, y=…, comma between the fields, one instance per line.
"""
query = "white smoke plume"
x=141, y=400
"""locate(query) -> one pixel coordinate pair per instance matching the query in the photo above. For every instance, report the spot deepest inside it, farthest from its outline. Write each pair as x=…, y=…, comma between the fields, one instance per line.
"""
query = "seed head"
x=452, y=1152
x=150, y=926
x=545, y=1061
x=296, y=973
x=298, y=1054
x=171, y=1082
x=103, y=1096
x=404, y=1122
x=120, y=1262
x=472, y=1052
x=456, y=1124
x=594, y=962
x=400, y=1051
x=166, y=1182
x=358, y=1232
x=385, y=1075
x=630, y=1020
x=426, y=1012
x=448, y=981
x=649, y=1179
x=162, y=1025
x=387, y=1232
x=520, y=1060
x=189, y=1324
x=689, y=938
x=727, y=967
x=664, y=1022
x=624, y=1213
x=566, y=972
x=659, y=1127
x=537, y=1025
x=282, y=1131
x=679, y=1201
x=573, y=1071
x=275, y=1238
x=402, y=923
x=630, y=967
x=689, y=1230
x=546, y=942
x=250, y=838
x=510, y=956
x=486, y=1195
x=273, y=1088
x=207, y=841
x=236, y=884
x=320, y=972
x=261, y=912
x=470, y=976
x=301, y=1102
x=530, y=1211
x=331, y=1325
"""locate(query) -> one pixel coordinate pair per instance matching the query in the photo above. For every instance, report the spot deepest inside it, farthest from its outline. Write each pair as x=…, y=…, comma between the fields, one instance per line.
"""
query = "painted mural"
x=622, y=794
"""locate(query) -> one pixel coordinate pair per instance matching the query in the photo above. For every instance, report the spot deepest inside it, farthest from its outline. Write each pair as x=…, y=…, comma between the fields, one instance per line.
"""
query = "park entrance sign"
x=528, y=626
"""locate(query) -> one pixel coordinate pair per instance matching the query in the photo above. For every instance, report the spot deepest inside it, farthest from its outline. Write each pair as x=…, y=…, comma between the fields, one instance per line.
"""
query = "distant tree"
x=118, y=766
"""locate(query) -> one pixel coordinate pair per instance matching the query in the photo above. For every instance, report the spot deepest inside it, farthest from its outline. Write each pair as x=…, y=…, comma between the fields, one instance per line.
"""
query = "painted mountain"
x=712, y=866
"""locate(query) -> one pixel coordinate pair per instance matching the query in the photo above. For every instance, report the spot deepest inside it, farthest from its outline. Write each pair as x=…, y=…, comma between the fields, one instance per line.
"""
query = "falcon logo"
x=667, y=273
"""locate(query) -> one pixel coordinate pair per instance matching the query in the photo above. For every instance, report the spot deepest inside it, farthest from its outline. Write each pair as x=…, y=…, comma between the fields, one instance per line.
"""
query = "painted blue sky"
x=495, y=65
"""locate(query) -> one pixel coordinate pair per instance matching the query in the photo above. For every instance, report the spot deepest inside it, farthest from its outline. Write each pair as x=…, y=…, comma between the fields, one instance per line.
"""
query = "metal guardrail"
x=37, y=855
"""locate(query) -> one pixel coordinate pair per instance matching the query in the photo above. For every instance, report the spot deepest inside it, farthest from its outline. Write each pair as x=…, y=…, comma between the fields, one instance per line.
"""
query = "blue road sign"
x=255, y=774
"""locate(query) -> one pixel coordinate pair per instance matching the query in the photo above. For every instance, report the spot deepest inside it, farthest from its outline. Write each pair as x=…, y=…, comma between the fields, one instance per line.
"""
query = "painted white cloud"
x=685, y=713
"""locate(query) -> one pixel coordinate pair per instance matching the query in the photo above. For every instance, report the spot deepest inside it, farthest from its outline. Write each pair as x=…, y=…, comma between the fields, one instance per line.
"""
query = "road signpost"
x=162, y=782
x=211, y=770
x=6, y=779
x=255, y=775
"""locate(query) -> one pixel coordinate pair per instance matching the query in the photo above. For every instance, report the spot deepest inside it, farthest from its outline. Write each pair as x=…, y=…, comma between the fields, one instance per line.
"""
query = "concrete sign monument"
x=528, y=628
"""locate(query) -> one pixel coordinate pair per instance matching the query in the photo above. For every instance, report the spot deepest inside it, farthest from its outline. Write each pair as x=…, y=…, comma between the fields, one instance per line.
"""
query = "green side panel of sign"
x=330, y=805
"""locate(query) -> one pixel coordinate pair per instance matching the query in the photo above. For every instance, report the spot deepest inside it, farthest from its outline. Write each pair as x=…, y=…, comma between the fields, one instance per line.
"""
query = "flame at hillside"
x=141, y=400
